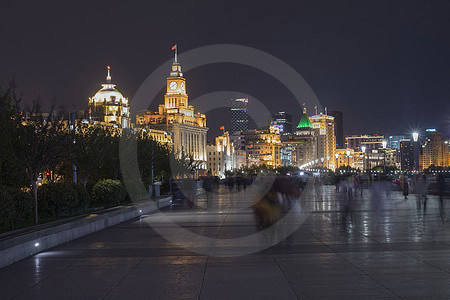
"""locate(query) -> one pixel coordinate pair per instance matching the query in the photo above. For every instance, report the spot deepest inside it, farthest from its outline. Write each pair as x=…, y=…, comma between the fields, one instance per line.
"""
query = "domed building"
x=108, y=105
x=301, y=146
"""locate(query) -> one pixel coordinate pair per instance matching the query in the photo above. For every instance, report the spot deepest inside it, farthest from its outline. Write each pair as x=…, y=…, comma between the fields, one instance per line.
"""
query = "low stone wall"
x=18, y=247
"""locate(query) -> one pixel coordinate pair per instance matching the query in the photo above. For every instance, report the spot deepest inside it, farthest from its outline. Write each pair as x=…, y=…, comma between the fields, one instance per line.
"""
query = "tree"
x=11, y=172
x=42, y=142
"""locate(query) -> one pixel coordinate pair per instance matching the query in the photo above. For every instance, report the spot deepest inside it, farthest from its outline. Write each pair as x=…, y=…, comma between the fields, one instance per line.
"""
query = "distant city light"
x=36, y=244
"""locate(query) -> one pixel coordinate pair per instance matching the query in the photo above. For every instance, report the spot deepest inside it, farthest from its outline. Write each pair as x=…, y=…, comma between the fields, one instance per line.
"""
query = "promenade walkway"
x=388, y=250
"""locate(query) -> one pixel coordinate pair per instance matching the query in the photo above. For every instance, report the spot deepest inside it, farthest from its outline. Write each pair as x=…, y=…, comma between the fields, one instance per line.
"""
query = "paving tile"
x=398, y=253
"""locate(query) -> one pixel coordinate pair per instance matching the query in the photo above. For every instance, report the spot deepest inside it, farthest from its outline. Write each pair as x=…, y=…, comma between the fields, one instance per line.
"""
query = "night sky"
x=384, y=64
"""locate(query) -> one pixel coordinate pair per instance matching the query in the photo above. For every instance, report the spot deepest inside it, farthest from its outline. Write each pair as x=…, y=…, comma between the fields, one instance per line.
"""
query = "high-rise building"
x=394, y=141
x=108, y=105
x=435, y=152
x=176, y=116
x=283, y=121
x=323, y=126
x=338, y=128
x=407, y=155
x=300, y=147
x=239, y=114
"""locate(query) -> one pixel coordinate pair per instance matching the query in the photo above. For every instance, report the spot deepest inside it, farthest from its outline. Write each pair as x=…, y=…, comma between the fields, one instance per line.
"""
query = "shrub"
x=15, y=206
x=83, y=199
x=108, y=192
x=58, y=199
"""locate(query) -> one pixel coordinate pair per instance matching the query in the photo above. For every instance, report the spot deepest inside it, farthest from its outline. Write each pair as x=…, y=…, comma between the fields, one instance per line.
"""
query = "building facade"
x=109, y=106
x=221, y=156
x=323, y=126
x=299, y=148
x=239, y=114
x=263, y=147
x=434, y=152
x=338, y=128
x=370, y=142
x=177, y=117
x=283, y=121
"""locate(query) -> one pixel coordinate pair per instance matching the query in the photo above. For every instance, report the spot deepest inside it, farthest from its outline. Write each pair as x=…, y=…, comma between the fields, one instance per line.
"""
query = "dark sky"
x=384, y=64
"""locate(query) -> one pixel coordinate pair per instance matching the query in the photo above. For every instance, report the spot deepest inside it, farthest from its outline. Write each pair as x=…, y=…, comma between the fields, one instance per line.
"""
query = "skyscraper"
x=406, y=155
x=283, y=121
x=338, y=128
x=239, y=114
x=435, y=152
x=323, y=126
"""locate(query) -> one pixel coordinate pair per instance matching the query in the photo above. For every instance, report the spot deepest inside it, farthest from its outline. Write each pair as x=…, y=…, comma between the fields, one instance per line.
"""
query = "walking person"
x=405, y=186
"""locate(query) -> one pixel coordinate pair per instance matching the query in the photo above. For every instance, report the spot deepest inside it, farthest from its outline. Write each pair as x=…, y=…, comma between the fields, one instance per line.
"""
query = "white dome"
x=110, y=94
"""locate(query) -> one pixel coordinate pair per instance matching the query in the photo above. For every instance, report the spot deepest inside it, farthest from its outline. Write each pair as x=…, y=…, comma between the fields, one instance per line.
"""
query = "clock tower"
x=177, y=117
x=176, y=96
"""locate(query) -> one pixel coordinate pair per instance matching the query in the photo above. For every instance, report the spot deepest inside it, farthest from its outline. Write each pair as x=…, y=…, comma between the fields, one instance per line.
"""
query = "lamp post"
x=348, y=158
x=415, y=136
x=337, y=161
x=363, y=149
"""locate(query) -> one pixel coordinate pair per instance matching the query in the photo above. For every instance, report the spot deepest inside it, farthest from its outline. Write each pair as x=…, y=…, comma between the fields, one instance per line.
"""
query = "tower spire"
x=108, y=77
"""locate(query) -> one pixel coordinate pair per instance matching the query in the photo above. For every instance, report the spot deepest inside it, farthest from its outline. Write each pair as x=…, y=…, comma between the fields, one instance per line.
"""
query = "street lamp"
x=348, y=157
x=415, y=136
x=384, y=144
x=363, y=149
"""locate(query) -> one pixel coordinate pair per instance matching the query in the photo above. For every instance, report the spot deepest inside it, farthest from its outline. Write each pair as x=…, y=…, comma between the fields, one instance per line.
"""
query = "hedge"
x=109, y=192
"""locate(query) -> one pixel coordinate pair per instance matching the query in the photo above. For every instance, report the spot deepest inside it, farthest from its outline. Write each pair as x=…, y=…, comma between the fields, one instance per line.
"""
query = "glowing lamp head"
x=363, y=149
x=415, y=136
x=384, y=144
x=348, y=152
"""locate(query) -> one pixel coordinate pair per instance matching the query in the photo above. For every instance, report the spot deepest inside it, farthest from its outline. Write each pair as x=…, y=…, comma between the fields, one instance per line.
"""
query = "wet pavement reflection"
x=366, y=243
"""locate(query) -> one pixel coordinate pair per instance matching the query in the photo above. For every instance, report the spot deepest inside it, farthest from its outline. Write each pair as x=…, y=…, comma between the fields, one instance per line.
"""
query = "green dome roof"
x=304, y=121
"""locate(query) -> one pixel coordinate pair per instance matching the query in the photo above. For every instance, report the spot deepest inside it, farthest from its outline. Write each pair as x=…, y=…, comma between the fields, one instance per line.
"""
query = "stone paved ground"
x=391, y=250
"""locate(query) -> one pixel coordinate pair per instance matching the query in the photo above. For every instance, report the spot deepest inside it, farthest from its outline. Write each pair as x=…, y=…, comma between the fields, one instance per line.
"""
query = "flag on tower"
x=174, y=47
x=222, y=128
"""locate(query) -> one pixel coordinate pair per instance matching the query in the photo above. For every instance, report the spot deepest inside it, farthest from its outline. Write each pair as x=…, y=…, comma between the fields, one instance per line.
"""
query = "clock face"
x=182, y=86
x=173, y=85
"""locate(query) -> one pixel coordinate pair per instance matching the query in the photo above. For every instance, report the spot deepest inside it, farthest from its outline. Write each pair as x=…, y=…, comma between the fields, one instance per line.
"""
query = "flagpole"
x=176, y=53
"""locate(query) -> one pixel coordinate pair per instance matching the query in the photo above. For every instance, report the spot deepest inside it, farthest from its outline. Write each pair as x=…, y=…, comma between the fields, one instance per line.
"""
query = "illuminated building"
x=239, y=114
x=220, y=156
x=406, y=155
x=263, y=147
x=395, y=140
x=283, y=121
x=348, y=158
x=176, y=116
x=323, y=126
x=160, y=136
x=108, y=105
x=338, y=128
x=299, y=148
x=434, y=152
x=369, y=141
